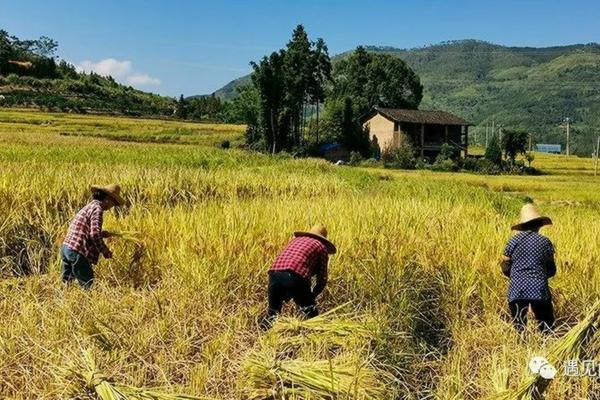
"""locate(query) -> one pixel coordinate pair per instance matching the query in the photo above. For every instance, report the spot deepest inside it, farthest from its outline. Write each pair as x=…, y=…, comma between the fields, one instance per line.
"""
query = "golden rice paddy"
x=176, y=312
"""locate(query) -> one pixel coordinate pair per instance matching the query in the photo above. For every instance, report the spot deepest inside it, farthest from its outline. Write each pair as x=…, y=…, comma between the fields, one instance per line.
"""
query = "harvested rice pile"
x=327, y=357
x=84, y=381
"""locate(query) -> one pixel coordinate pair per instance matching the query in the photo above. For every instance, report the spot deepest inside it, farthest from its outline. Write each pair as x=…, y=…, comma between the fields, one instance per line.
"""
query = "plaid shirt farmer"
x=85, y=232
x=307, y=257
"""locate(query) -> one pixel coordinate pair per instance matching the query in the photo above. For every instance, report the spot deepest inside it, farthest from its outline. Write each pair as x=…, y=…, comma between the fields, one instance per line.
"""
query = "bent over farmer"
x=290, y=277
x=529, y=262
x=85, y=239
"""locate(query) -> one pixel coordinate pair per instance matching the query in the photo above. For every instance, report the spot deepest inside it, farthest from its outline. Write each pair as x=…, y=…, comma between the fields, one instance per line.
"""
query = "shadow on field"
x=408, y=297
x=25, y=249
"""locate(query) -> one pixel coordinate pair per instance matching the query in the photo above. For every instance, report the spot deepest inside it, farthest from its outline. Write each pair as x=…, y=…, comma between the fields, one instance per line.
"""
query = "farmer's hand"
x=106, y=234
x=108, y=254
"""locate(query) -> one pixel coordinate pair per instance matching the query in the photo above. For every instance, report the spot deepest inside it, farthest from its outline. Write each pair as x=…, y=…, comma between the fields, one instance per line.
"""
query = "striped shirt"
x=85, y=232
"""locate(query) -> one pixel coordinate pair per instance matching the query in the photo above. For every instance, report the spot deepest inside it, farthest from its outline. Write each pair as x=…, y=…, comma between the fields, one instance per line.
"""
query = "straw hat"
x=318, y=232
x=530, y=216
x=114, y=191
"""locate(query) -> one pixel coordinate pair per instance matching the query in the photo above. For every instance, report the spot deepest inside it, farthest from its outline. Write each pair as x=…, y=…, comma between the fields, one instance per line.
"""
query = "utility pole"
x=597, y=155
x=530, y=141
x=568, y=126
x=486, y=133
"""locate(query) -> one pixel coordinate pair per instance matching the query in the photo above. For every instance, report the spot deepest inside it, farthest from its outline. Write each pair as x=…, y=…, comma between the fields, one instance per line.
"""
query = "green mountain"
x=517, y=87
x=229, y=91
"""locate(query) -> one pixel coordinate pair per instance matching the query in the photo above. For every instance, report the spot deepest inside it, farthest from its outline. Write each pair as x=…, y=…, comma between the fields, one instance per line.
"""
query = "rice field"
x=176, y=313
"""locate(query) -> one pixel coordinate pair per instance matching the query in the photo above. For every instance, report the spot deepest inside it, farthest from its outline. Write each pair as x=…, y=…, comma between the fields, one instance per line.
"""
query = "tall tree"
x=369, y=80
x=181, y=110
x=269, y=80
x=321, y=76
x=514, y=143
x=493, y=152
x=299, y=77
x=44, y=47
x=354, y=136
x=288, y=82
x=376, y=80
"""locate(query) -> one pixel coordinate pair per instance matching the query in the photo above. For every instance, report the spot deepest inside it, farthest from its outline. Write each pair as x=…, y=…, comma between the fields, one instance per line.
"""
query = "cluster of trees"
x=29, y=57
x=501, y=152
x=282, y=105
x=361, y=81
x=201, y=108
x=289, y=84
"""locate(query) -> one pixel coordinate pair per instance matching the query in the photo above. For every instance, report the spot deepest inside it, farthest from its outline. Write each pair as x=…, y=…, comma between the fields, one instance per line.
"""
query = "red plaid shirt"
x=305, y=256
x=85, y=232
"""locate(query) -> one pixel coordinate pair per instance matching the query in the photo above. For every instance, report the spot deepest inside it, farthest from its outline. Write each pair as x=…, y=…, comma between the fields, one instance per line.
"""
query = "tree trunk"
x=273, y=133
x=317, y=121
x=303, y=123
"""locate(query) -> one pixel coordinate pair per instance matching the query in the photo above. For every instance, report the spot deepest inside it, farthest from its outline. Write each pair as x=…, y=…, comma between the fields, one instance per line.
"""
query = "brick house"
x=426, y=131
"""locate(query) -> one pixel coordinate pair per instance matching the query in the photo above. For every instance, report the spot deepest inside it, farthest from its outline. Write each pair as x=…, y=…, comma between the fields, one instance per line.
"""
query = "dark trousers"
x=76, y=266
x=542, y=310
x=285, y=286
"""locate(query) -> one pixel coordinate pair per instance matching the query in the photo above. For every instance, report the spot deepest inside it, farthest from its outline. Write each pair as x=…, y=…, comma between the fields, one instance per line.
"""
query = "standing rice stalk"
x=569, y=347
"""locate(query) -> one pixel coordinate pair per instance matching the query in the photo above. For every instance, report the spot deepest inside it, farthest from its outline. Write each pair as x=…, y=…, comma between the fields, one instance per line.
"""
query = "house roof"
x=418, y=116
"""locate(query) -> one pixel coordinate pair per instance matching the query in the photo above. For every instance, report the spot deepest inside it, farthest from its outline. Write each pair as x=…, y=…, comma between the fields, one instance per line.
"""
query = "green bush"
x=446, y=165
x=355, y=158
x=403, y=157
x=493, y=152
x=13, y=79
x=487, y=167
x=445, y=160
x=370, y=162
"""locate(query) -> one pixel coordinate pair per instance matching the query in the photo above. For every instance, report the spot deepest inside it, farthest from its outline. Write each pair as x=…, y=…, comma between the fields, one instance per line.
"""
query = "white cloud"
x=142, y=80
x=121, y=70
x=109, y=66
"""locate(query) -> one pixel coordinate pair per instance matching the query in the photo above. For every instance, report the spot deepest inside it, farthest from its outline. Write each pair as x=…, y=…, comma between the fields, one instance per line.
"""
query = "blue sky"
x=195, y=47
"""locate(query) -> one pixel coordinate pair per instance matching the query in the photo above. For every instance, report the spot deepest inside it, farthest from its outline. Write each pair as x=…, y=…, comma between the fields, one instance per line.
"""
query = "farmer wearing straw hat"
x=85, y=239
x=291, y=274
x=529, y=262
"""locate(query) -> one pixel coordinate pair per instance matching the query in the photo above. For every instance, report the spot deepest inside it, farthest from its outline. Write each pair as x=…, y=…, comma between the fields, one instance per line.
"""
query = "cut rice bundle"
x=569, y=347
x=326, y=357
x=345, y=376
x=86, y=382
x=329, y=323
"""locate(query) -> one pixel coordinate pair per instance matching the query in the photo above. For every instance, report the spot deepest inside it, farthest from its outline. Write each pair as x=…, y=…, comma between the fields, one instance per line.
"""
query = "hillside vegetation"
x=517, y=87
x=33, y=76
x=177, y=307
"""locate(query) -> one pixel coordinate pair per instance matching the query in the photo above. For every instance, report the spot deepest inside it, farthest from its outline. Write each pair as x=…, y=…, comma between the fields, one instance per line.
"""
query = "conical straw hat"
x=114, y=191
x=318, y=232
x=530, y=217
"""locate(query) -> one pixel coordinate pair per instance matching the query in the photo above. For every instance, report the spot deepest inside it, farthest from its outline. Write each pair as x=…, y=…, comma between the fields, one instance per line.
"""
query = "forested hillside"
x=516, y=87
x=31, y=75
